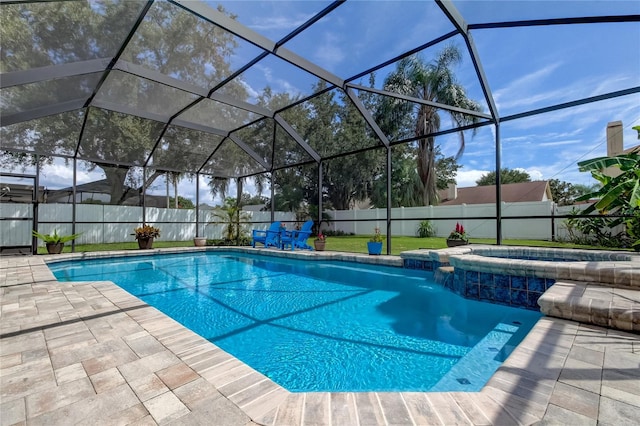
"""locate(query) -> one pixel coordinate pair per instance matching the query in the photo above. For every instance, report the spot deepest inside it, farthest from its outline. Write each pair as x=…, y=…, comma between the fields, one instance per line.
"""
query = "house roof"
x=64, y=195
x=511, y=193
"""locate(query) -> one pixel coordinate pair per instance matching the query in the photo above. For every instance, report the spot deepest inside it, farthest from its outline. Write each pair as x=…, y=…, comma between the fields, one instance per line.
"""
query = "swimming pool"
x=323, y=325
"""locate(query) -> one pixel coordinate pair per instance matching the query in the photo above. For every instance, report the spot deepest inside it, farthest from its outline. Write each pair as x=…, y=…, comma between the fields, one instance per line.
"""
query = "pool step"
x=592, y=303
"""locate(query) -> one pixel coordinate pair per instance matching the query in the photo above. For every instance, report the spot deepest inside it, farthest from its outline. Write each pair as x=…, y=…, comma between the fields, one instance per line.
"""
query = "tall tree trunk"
x=426, y=155
x=174, y=178
x=115, y=178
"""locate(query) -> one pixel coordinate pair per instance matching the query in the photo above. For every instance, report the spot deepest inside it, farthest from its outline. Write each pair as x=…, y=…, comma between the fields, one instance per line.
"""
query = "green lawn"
x=350, y=243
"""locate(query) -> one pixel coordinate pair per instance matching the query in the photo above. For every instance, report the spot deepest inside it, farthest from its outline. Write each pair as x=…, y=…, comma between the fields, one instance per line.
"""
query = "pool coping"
x=532, y=384
x=608, y=267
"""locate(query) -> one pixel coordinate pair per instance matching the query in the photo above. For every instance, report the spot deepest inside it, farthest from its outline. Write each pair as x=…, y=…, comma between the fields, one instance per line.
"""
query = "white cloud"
x=512, y=94
x=265, y=23
x=560, y=143
x=60, y=175
x=534, y=173
x=253, y=94
x=328, y=52
x=469, y=177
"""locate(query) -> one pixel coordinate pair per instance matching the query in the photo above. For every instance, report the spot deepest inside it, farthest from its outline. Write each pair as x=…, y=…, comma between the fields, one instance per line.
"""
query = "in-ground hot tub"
x=517, y=276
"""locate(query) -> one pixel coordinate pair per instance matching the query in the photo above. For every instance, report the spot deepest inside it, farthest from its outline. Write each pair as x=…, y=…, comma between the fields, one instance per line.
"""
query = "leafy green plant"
x=619, y=195
x=426, y=229
x=458, y=233
x=595, y=231
x=146, y=232
x=230, y=215
x=377, y=237
x=55, y=238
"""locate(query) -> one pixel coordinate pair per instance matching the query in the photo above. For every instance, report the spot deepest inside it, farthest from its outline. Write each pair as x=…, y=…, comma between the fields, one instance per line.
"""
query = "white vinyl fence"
x=110, y=224
x=100, y=224
x=444, y=219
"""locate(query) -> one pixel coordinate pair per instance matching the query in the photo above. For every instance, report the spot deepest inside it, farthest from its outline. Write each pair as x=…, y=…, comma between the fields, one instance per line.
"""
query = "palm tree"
x=230, y=215
x=436, y=82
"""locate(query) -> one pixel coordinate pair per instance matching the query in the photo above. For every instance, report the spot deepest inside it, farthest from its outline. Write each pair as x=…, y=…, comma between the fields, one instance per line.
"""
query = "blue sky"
x=526, y=68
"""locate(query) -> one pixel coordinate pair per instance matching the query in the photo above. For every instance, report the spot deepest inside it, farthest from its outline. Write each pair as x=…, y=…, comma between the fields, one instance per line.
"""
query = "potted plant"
x=457, y=237
x=145, y=235
x=200, y=241
x=375, y=243
x=320, y=242
x=54, y=242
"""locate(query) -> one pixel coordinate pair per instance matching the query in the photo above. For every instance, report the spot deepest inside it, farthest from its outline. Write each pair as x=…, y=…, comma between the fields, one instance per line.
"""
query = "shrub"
x=336, y=233
x=426, y=229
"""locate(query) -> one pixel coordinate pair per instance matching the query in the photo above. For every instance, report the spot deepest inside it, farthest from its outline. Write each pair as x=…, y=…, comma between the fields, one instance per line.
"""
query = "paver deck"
x=91, y=353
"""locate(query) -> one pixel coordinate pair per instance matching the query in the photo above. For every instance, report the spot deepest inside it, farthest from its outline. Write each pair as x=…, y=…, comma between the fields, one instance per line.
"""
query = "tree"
x=251, y=200
x=230, y=215
x=406, y=186
x=563, y=193
x=436, y=82
x=582, y=189
x=183, y=203
x=331, y=125
x=348, y=179
x=618, y=195
x=506, y=176
x=171, y=42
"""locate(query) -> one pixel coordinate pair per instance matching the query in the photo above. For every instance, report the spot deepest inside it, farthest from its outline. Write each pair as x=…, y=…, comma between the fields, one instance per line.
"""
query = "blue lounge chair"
x=268, y=238
x=301, y=236
x=287, y=238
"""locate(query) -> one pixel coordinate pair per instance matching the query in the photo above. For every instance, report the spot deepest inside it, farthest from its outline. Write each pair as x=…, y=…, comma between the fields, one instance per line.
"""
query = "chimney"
x=614, y=146
x=452, y=191
x=614, y=138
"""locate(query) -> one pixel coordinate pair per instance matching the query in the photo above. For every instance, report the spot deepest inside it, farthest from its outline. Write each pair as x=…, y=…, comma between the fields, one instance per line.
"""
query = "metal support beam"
x=389, y=170
x=498, y=188
x=367, y=117
x=246, y=148
x=291, y=131
x=234, y=27
x=123, y=46
x=558, y=21
x=73, y=204
x=43, y=111
x=273, y=194
x=575, y=103
x=320, y=178
x=35, y=75
x=237, y=218
x=144, y=196
x=456, y=19
x=36, y=204
x=198, y=206
x=420, y=101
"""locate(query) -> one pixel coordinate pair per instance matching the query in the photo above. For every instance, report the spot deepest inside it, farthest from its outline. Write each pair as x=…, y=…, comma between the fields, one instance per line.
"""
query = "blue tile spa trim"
x=422, y=264
x=512, y=290
x=518, y=276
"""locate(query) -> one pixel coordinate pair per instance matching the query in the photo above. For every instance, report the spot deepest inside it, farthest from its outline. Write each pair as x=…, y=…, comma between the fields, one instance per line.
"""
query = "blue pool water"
x=323, y=326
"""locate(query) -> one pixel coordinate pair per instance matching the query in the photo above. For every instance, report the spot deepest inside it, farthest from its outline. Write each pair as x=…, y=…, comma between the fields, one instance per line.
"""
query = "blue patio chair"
x=301, y=236
x=287, y=238
x=268, y=238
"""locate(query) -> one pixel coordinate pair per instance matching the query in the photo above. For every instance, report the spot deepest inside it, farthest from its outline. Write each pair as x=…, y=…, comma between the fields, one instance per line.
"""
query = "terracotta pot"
x=319, y=245
x=54, y=248
x=456, y=243
x=145, y=243
x=200, y=241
